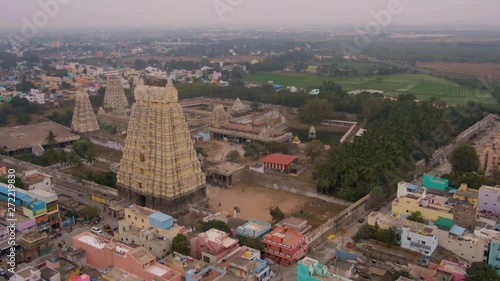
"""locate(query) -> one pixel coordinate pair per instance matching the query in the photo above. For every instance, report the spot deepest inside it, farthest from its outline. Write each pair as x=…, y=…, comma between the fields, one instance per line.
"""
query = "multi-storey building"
x=489, y=155
x=33, y=245
x=284, y=246
x=209, y=273
x=212, y=246
x=494, y=255
x=450, y=236
x=430, y=206
x=489, y=200
x=457, y=271
x=246, y=263
x=148, y=228
x=104, y=254
x=420, y=240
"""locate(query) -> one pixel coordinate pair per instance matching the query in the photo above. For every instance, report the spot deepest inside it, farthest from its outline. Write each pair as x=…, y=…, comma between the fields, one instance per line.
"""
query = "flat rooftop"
x=290, y=237
x=141, y=210
x=33, y=134
x=92, y=241
x=218, y=236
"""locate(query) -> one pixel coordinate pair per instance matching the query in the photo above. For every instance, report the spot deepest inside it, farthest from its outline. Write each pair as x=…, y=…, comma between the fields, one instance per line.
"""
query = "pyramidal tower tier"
x=219, y=116
x=84, y=119
x=115, y=95
x=159, y=168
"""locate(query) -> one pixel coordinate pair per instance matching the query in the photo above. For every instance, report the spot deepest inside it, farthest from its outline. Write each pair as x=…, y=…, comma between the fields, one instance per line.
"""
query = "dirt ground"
x=255, y=202
x=474, y=69
x=217, y=150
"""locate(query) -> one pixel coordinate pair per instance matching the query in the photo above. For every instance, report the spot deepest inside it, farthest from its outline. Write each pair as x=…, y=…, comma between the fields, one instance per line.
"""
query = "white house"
x=34, y=180
x=421, y=240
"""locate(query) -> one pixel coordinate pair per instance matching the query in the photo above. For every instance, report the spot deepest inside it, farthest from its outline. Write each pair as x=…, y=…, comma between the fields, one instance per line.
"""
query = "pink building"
x=458, y=271
x=102, y=253
x=212, y=246
x=284, y=246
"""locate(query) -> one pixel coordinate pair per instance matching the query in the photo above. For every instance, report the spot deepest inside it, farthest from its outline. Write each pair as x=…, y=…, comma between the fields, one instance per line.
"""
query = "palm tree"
x=91, y=158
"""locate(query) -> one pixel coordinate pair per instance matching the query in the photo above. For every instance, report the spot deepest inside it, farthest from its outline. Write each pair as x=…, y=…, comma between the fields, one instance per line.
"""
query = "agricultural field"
x=422, y=86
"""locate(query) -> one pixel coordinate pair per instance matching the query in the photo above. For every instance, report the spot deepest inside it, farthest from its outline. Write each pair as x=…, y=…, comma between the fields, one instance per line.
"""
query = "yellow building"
x=430, y=206
x=467, y=194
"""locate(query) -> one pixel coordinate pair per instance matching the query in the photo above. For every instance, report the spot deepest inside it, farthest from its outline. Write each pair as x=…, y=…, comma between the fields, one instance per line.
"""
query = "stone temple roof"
x=238, y=106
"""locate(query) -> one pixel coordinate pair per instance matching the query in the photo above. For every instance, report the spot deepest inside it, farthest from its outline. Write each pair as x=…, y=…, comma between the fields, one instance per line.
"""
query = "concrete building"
x=253, y=229
x=494, y=255
x=420, y=240
x=35, y=180
x=309, y=269
x=225, y=174
x=284, y=246
x=457, y=271
x=298, y=224
x=452, y=237
x=3, y=169
x=489, y=200
x=246, y=263
x=33, y=245
x=38, y=205
x=64, y=267
x=159, y=168
x=212, y=246
x=282, y=163
x=430, y=206
x=104, y=254
x=31, y=138
x=467, y=194
x=50, y=274
x=148, y=228
x=209, y=273
x=388, y=253
x=429, y=181
x=27, y=274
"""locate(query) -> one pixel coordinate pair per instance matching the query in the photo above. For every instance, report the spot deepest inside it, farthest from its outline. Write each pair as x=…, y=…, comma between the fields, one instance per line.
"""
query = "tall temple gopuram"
x=84, y=119
x=159, y=168
x=114, y=97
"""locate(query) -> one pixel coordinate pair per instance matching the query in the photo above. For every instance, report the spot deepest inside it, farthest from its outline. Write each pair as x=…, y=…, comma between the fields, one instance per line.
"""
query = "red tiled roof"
x=278, y=158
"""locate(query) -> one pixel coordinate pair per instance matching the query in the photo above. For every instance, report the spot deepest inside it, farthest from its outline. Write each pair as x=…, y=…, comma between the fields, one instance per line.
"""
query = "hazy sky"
x=178, y=13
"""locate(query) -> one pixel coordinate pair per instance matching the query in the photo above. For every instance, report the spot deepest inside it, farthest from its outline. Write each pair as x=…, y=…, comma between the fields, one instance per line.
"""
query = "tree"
x=82, y=147
x=255, y=106
x=416, y=217
x=200, y=150
x=89, y=212
x=23, y=118
x=91, y=158
x=181, y=245
x=51, y=138
x=140, y=64
x=252, y=151
x=217, y=224
x=276, y=214
x=314, y=149
x=481, y=271
x=252, y=243
x=17, y=182
x=316, y=110
x=233, y=156
x=464, y=159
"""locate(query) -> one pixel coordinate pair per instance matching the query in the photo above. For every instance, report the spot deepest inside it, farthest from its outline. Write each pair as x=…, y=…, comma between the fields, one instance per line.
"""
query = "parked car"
x=96, y=230
x=361, y=220
x=106, y=228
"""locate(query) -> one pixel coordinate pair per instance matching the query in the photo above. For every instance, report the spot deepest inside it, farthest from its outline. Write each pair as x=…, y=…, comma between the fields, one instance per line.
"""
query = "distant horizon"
x=185, y=14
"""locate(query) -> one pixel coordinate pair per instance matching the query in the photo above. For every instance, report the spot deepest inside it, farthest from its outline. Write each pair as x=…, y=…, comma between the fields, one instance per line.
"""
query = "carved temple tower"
x=84, y=119
x=219, y=116
x=159, y=168
x=115, y=95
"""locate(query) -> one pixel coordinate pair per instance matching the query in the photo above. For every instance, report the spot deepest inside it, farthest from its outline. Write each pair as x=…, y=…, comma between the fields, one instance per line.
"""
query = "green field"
x=422, y=86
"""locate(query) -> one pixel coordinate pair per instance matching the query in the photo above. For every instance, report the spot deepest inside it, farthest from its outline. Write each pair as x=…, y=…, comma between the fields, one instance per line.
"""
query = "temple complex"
x=238, y=107
x=115, y=96
x=159, y=168
x=84, y=119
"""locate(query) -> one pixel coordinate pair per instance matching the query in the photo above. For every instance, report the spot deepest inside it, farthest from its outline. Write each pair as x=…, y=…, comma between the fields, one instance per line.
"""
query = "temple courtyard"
x=255, y=202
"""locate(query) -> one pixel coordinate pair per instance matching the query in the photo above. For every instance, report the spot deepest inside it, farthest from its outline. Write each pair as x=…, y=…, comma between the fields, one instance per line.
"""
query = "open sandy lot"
x=255, y=202
x=217, y=150
x=475, y=69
